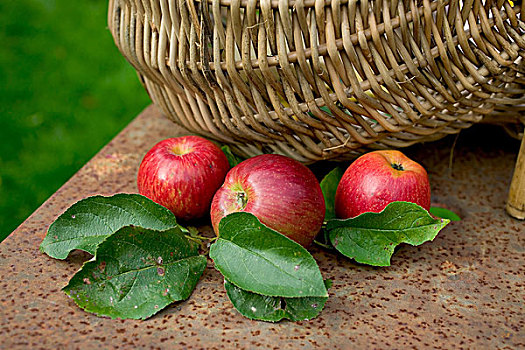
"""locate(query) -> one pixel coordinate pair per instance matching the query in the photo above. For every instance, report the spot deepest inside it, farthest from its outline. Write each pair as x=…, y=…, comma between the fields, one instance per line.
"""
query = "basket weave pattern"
x=321, y=79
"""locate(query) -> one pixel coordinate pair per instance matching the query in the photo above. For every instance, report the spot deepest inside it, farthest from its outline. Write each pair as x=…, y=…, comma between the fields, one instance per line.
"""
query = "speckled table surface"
x=466, y=289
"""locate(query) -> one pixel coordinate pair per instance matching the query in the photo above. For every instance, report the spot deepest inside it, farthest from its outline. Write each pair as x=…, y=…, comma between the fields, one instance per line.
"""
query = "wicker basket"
x=316, y=79
x=324, y=79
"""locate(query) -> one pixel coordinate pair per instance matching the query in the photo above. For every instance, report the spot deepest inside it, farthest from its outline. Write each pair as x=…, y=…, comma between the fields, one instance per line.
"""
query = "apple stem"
x=242, y=200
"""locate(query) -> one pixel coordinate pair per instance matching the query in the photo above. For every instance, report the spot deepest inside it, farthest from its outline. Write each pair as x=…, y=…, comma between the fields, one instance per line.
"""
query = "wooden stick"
x=516, y=200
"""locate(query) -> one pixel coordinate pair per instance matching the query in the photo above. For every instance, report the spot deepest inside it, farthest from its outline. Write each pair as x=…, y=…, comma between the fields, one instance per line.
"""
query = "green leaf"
x=326, y=110
x=137, y=272
x=329, y=187
x=274, y=309
x=88, y=222
x=370, y=238
x=232, y=158
x=261, y=260
x=444, y=213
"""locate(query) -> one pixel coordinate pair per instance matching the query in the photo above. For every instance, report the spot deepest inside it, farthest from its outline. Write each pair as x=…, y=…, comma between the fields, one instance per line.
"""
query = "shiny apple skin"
x=182, y=174
x=372, y=181
x=281, y=192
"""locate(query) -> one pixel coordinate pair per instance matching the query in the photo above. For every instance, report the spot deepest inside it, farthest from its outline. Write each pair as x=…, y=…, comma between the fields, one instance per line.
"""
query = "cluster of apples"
x=191, y=176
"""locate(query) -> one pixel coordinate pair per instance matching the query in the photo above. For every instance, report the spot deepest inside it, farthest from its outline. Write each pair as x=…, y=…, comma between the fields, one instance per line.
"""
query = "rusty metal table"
x=466, y=289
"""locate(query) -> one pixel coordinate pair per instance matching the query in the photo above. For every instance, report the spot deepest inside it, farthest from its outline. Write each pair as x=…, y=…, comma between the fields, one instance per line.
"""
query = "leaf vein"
x=142, y=269
x=265, y=259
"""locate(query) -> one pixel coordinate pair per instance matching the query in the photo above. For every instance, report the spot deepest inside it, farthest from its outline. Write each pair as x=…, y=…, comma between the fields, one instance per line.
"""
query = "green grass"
x=65, y=91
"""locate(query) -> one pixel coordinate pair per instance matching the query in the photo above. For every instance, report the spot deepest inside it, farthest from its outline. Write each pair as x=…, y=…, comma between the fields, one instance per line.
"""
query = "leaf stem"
x=193, y=239
x=327, y=246
x=200, y=239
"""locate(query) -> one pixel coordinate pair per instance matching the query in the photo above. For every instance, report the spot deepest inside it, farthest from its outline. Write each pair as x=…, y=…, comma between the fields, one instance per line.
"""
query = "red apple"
x=281, y=192
x=378, y=178
x=183, y=174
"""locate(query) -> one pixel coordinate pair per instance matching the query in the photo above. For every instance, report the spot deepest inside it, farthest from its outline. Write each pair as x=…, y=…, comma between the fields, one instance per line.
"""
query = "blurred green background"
x=65, y=91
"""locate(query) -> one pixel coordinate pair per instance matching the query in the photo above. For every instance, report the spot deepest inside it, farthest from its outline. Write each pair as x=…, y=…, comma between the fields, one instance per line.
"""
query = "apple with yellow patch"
x=182, y=174
x=378, y=178
x=281, y=192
